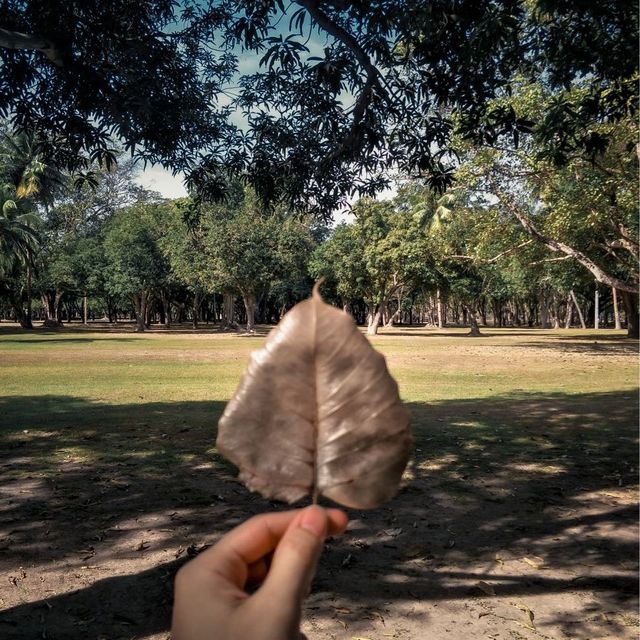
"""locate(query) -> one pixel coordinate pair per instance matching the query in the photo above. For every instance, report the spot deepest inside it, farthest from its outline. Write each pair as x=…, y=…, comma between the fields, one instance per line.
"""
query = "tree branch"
x=496, y=257
x=624, y=240
x=560, y=259
x=17, y=40
x=560, y=247
x=372, y=73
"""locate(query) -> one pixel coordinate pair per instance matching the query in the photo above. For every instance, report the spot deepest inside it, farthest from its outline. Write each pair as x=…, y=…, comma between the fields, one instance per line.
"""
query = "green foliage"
x=184, y=246
x=395, y=82
x=131, y=245
x=250, y=248
x=588, y=203
x=383, y=253
x=19, y=238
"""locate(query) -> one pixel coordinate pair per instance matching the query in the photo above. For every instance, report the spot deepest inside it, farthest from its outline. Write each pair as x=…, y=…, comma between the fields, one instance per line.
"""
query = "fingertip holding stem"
x=314, y=520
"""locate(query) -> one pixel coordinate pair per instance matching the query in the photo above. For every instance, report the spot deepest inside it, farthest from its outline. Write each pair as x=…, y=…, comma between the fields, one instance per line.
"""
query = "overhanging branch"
x=560, y=247
x=372, y=73
x=17, y=40
x=495, y=258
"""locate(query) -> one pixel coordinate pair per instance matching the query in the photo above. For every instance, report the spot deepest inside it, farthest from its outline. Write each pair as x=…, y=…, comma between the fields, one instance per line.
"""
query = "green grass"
x=80, y=393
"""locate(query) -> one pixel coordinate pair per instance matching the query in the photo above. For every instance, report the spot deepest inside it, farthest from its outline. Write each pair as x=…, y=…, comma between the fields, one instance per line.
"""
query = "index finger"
x=254, y=539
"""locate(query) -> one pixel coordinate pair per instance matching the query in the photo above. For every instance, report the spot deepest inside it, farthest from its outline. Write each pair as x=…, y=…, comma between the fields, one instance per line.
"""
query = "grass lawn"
x=520, y=498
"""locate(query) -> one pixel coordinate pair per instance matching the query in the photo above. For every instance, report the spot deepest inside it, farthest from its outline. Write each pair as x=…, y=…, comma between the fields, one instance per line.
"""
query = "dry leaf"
x=343, y=610
x=534, y=561
x=527, y=612
x=317, y=413
x=486, y=588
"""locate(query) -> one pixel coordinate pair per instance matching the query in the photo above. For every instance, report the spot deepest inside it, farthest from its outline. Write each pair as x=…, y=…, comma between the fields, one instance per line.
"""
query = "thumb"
x=295, y=559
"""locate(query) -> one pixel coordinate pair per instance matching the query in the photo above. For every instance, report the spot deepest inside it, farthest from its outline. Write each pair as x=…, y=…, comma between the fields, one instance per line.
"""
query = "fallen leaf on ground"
x=534, y=561
x=528, y=613
x=486, y=588
x=375, y=614
x=348, y=561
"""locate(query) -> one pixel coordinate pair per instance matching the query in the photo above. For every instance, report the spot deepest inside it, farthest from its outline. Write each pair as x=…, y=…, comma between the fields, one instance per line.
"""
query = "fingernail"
x=314, y=519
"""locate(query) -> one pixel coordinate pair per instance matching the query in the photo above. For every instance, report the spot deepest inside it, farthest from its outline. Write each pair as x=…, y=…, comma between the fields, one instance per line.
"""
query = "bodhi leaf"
x=317, y=413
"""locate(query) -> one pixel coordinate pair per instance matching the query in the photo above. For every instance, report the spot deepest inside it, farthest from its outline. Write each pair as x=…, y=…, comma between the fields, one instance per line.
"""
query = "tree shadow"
x=623, y=347
x=516, y=477
x=459, y=332
x=49, y=340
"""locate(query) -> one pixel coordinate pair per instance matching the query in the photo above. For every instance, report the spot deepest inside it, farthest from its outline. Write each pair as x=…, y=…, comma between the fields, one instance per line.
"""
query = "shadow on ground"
x=503, y=478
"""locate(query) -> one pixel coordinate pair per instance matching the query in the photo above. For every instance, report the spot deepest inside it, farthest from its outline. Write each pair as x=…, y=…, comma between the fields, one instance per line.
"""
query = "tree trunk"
x=21, y=314
x=28, y=324
x=196, y=310
x=596, y=308
x=516, y=314
x=616, y=311
x=441, y=320
x=250, y=307
x=569, y=313
x=578, y=309
x=392, y=319
x=555, y=310
x=471, y=311
x=483, y=313
x=85, y=308
x=51, y=304
x=544, y=311
x=630, y=301
x=372, y=329
x=140, y=307
x=228, y=304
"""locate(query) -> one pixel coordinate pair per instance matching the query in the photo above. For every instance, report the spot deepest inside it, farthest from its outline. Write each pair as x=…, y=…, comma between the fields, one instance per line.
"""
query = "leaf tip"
x=316, y=289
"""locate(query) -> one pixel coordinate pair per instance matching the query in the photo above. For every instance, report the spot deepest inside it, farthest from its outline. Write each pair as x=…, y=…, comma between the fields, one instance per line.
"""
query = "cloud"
x=156, y=178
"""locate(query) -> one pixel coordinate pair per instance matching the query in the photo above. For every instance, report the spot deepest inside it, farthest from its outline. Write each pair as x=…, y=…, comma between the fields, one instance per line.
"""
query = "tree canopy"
x=343, y=92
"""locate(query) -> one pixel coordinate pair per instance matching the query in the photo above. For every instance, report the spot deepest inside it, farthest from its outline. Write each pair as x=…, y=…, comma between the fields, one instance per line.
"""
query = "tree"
x=251, y=248
x=381, y=257
x=584, y=210
x=183, y=243
x=393, y=83
x=137, y=266
x=19, y=240
x=28, y=182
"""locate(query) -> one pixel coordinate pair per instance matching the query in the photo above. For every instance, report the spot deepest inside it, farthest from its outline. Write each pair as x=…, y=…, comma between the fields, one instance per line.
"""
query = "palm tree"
x=18, y=236
x=26, y=181
x=18, y=242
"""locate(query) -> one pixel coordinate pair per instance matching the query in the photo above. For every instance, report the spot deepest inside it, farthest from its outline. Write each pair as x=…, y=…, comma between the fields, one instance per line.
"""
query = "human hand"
x=210, y=599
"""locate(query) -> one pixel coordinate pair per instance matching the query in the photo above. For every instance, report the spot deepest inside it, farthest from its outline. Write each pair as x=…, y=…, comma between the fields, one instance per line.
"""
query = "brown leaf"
x=486, y=588
x=342, y=610
x=317, y=413
x=528, y=613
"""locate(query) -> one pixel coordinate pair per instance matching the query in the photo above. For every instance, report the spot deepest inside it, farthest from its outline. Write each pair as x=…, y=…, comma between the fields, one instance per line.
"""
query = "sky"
x=158, y=179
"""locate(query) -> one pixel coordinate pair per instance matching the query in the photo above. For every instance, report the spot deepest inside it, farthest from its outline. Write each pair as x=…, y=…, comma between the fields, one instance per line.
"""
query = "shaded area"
x=122, y=327
x=496, y=480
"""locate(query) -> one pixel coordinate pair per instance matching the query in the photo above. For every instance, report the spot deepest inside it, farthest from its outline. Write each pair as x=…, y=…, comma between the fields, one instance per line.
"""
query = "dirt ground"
x=517, y=519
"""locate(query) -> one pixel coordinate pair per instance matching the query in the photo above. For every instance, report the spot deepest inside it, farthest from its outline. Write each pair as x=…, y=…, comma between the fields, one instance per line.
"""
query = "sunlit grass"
x=429, y=367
